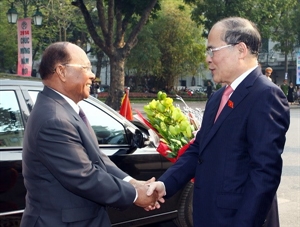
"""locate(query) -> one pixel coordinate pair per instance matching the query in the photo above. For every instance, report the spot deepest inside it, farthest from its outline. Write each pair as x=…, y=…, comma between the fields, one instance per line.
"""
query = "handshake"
x=149, y=193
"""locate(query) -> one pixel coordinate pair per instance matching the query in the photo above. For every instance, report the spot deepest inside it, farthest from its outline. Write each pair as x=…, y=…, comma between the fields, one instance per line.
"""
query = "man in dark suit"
x=69, y=181
x=236, y=157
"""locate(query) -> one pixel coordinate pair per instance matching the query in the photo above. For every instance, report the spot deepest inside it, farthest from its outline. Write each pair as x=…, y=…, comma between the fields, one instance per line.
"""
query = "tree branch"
x=110, y=22
x=90, y=25
x=101, y=16
x=132, y=40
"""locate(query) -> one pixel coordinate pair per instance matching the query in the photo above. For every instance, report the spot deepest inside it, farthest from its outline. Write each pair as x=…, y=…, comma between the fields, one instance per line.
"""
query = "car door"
x=13, y=112
x=16, y=102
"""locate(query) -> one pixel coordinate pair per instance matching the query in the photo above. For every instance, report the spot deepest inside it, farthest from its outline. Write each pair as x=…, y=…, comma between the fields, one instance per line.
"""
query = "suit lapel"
x=59, y=99
x=213, y=107
x=236, y=98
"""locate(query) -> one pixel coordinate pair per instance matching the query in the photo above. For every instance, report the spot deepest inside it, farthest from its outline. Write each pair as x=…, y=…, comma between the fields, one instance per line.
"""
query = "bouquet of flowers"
x=175, y=127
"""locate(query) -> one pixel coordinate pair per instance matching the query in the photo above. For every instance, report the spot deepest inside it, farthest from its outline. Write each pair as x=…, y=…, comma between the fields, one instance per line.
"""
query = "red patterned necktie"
x=224, y=100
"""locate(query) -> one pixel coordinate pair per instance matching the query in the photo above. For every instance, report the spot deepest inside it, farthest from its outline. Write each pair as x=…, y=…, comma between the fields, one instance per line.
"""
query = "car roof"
x=18, y=82
x=36, y=82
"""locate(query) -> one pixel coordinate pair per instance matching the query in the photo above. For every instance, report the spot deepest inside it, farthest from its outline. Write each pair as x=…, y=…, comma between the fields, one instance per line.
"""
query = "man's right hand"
x=144, y=200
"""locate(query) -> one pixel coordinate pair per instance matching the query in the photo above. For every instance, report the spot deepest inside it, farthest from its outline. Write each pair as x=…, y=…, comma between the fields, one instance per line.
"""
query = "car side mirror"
x=136, y=138
x=151, y=138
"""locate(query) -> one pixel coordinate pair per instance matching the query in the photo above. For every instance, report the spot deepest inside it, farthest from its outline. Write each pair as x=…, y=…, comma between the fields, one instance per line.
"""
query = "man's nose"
x=208, y=59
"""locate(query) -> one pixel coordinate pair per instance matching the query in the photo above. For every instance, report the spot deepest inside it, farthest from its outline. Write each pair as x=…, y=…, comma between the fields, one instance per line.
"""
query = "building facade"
x=268, y=57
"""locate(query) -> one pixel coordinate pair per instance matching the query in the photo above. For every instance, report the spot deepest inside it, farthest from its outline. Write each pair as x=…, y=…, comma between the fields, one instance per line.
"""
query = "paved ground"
x=288, y=193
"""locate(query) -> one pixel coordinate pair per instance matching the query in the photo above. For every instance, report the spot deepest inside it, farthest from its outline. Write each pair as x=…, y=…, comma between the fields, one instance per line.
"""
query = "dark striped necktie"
x=83, y=117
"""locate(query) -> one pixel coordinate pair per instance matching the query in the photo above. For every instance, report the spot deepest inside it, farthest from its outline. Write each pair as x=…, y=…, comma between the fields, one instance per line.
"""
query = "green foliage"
x=276, y=19
x=265, y=13
x=61, y=22
x=145, y=57
x=169, y=46
x=285, y=26
x=107, y=23
x=8, y=41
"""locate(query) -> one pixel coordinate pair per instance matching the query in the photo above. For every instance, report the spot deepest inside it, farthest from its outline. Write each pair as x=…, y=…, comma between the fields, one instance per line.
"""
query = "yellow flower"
x=173, y=126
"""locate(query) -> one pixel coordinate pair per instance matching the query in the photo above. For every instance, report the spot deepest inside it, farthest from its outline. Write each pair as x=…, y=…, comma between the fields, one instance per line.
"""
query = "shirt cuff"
x=164, y=187
x=127, y=179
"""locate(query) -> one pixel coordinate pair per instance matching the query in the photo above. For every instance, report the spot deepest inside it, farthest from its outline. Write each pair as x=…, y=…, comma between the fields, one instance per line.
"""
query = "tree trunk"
x=60, y=34
x=116, y=88
x=100, y=55
x=65, y=33
x=113, y=24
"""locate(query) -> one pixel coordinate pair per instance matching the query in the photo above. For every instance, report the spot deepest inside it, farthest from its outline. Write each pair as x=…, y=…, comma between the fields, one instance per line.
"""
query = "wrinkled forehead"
x=215, y=34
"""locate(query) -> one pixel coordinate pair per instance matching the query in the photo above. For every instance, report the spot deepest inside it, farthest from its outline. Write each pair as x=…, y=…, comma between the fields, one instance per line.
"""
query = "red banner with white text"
x=24, y=47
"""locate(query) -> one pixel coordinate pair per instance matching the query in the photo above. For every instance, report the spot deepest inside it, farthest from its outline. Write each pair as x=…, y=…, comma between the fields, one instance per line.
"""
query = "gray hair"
x=237, y=30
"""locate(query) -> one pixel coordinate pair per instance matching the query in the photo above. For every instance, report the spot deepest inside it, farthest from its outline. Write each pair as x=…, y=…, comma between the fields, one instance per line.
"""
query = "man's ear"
x=243, y=50
x=61, y=73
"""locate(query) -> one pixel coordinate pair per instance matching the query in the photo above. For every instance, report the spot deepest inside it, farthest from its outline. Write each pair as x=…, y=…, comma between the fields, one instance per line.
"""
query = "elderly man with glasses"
x=69, y=181
x=235, y=159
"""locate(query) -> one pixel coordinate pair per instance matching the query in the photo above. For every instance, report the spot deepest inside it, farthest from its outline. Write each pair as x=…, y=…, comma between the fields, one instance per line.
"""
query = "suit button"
x=200, y=160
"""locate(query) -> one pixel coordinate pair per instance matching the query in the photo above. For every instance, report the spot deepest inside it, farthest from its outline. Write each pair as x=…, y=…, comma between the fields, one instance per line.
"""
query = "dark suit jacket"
x=69, y=181
x=236, y=161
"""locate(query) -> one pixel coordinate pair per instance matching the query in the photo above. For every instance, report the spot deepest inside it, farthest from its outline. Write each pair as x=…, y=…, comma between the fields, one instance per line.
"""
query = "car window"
x=11, y=124
x=33, y=95
x=107, y=129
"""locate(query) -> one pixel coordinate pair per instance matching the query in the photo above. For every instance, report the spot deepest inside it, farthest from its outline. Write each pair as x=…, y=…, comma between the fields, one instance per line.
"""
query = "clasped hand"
x=150, y=193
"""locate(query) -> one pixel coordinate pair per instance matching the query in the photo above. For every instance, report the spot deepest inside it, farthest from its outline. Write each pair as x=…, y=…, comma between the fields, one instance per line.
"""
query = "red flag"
x=125, y=109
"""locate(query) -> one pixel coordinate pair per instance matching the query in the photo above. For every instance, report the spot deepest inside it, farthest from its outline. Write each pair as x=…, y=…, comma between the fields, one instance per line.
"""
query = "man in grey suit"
x=69, y=181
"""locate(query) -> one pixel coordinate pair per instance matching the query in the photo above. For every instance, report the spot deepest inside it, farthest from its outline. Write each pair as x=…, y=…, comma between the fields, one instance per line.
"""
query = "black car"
x=134, y=153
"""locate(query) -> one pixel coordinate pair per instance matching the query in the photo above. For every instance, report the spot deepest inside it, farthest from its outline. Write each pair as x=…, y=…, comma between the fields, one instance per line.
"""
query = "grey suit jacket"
x=69, y=181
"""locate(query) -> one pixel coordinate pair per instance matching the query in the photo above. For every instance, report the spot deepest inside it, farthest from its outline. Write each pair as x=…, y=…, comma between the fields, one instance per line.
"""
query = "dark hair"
x=55, y=53
x=237, y=30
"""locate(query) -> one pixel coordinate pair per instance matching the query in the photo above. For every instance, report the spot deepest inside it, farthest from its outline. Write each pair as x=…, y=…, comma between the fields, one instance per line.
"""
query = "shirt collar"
x=70, y=101
x=238, y=80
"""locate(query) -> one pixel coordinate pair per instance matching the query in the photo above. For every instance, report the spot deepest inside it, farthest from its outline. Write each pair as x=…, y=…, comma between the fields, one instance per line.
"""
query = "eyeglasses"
x=86, y=68
x=210, y=51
